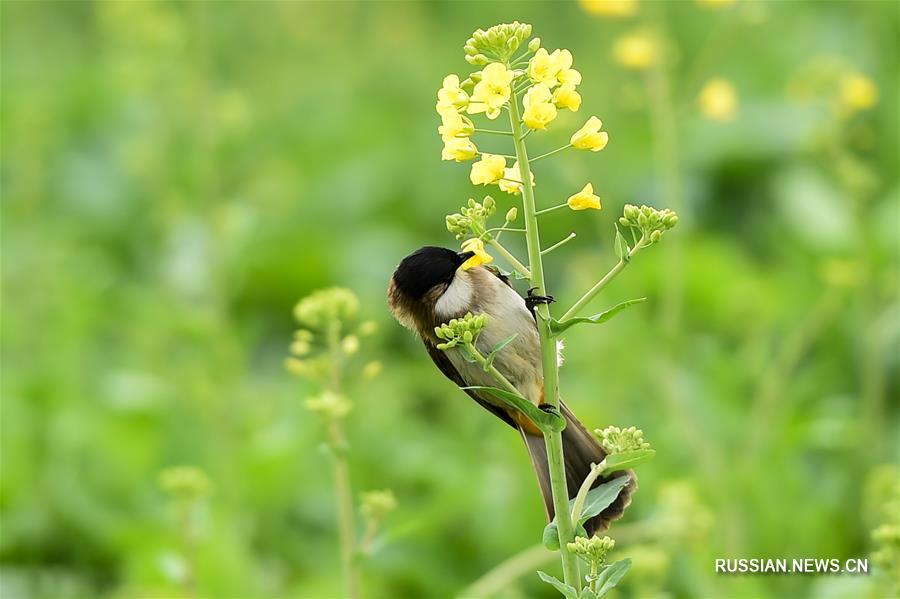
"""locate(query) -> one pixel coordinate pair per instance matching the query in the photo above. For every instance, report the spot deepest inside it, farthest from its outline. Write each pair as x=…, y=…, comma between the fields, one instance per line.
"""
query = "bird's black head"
x=427, y=267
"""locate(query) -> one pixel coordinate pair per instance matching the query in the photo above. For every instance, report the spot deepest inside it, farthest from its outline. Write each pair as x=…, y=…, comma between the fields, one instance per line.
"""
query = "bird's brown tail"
x=580, y=450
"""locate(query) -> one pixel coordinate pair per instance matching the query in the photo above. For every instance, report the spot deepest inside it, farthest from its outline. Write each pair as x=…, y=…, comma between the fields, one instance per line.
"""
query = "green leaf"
x=611, y=576
x=550, y=538
x=509, y=396
x=558, y=327
x=568, y=591
x=600, y=498
x=489, y=360
x=587, y=593
x=622, y=248
x=628, y=459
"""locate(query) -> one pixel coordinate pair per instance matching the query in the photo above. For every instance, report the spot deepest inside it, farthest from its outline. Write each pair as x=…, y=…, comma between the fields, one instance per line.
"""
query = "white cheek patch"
x=457, y=298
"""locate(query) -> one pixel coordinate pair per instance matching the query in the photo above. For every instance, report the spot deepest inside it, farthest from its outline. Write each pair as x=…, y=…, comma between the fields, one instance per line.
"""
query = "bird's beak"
x=463, y=256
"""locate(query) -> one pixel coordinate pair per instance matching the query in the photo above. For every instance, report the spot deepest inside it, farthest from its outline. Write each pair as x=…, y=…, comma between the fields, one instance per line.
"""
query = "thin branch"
x=552, y=152
x=546, y=210
x=513, y=261
x=558, y=244
x=593, y=291
x=492, y=131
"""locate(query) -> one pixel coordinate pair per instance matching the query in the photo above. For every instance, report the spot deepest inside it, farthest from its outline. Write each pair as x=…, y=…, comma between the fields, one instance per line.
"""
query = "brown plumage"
x=428, y=289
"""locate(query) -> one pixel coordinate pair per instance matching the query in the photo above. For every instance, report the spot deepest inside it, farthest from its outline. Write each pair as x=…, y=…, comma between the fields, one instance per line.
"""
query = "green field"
x=176, y=176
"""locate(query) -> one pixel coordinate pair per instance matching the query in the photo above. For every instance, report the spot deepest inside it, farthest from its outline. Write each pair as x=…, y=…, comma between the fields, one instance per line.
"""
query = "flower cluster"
x=330, y=405
x=185, y=483
x=471, y=218
x=545, y=82
x=326, y=333
x=593, y=550
x=376, y=505
x=463, y=330
x=651, y=222
x=615, y=440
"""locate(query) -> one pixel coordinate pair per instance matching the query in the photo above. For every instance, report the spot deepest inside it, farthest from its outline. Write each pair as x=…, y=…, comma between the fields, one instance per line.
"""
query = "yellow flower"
x=481, y=256
x=512, y=180
x=459, y=149
x=610, y=8
x=635, y=51
x=565, y=96
x=450, y=96
x=718, y=100
x=455, y=125
x=567, y=75
x=537, y=94
x=584, y=199
x=544, y=67
x=538, y=116
x=492, y=92
x=589, y=137
x=487, y=170
x=538, y=109
x=858, y=92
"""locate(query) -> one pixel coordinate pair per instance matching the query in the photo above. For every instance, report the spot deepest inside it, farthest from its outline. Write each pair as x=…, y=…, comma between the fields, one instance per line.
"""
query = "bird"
x=432, y=286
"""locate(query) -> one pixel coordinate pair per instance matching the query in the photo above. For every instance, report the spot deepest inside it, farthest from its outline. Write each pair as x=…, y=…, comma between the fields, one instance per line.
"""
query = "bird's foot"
x=533, y=300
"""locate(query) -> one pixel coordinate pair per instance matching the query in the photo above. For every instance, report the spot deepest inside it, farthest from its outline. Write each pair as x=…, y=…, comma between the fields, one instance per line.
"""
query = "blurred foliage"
x=176, y=175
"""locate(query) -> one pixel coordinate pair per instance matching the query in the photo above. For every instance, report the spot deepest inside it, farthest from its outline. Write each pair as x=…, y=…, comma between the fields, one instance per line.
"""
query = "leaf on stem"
x=600, y=498
x=489, y=360
x=611, y=576
x=622, y=249
x=558, y=327
x=628, y=459
x=567, y=591
x=509, y=396
x=550, y=537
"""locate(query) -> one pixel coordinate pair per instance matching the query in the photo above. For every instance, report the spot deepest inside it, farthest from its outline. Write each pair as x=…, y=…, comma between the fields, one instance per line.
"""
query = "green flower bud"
x=185, y=483
x=511, y=214
x=593, y=550
x=655, y=236
x=623, y=221
x=375, y=505
x=512, y=44
x=615, y=440
x=467, y=337
x=534, y=45
x=470, y=49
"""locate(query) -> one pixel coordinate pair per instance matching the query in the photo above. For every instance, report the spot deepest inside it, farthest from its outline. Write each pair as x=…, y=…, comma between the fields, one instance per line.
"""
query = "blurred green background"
x=175, y=176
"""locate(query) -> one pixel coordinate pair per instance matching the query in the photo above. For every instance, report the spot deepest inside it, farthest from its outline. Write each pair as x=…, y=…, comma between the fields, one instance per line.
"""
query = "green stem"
x=558, y=244
x=553, y=441
x=593, y=291
x=493, y=154
x=596, y=471
x=551, y=209
x=552, y=152
x=343, y=489
x=492, y=131
x=513, y=261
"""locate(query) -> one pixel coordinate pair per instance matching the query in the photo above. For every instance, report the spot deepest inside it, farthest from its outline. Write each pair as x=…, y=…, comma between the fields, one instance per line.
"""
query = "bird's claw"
x=533, y=300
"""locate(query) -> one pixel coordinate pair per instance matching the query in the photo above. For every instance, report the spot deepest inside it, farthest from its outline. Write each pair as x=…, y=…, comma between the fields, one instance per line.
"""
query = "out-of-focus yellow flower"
x=481, y=256
x=715, y=3
x=589, y=137
x=718, y=100
x=610, y=8
x=459, y=149
x=454, y=124
x=372, y=369
x=350, y=345
x=635, y=51
x=451, y=96
x=584, y=199
x=538, y=109
x=857, y=92
x=492, y=92
x=565, y=96
x=488, y=170
x=567, y=75
x=544, y=67
x=512, y=180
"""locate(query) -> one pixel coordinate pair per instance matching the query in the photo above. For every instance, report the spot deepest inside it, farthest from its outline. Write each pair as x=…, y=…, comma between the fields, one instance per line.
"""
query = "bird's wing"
x=446, y=366
x=496, y=272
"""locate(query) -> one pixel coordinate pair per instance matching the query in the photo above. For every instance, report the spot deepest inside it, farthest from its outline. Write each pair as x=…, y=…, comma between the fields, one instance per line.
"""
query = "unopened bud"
x=512, y=214
x=470, y=50
x=534, y=45
x=655, y=236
